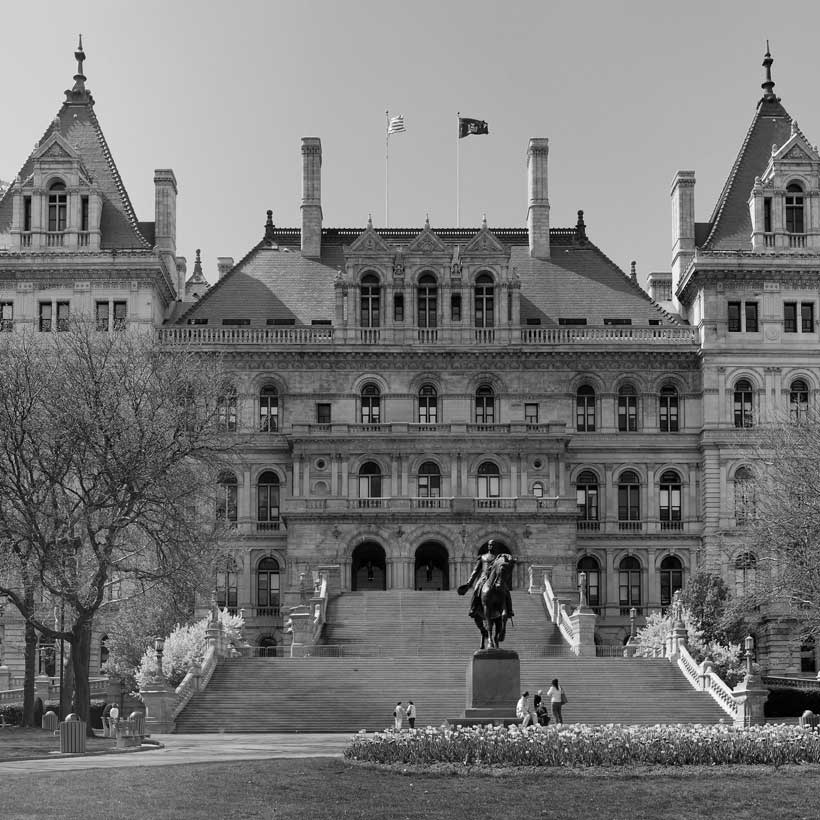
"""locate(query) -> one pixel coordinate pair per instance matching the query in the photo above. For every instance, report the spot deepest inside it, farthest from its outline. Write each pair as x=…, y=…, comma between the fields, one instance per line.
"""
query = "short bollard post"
x=72, y=735
x=138, y=719
x=50, y=721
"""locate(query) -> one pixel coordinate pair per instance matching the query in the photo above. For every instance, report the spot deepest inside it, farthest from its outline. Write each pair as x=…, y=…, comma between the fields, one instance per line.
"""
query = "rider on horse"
x=480, y=576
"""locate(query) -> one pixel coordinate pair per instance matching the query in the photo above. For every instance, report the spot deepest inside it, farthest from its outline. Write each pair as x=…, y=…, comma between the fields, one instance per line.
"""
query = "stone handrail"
x=789, y=682
x=319, y=604
x=558, y=614
x=195, y=680
x=704, y=679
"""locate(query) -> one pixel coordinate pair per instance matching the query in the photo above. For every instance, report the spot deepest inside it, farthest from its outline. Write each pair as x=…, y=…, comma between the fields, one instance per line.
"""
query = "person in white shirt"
x=555, y=695
x=398, y=715
x=524, y=711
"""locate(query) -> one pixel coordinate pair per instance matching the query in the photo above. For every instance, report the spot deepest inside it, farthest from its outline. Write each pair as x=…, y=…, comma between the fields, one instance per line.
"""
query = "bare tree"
x=109, y=447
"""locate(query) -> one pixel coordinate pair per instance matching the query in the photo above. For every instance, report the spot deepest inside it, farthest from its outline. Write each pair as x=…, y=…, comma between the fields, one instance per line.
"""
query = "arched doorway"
x=267, y=647
x=432, y=570
x=369, y=569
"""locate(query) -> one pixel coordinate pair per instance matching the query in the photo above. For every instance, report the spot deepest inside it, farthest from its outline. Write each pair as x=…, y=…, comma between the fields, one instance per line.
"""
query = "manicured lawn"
x=327, y=789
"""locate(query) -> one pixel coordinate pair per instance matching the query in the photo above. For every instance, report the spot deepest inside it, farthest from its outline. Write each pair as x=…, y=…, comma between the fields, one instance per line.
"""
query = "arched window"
x=484, y=301
x=267, y=588
x=370, y=301
x=671, y=578
x=743, y=406
x=370, y=484
x=745, y=572
x=428, y=405
x=227, y=487
x=226, y=409
x=668, y=409
x=669, y=493
x=590, y=566
x=484, y=405
x=371, y=405
x=57, y=207
x=268, y=409
x=794, y=208
x=427, y=301
x=745, y=496
x=226, y=586
x=267, y=502
x=627, y=409
x=629, y=501
x=586, y=493
x=538, y=489
x=429, y=484
x=629, y=585
x=585, y=409
x=488, y=484
x=798, y=400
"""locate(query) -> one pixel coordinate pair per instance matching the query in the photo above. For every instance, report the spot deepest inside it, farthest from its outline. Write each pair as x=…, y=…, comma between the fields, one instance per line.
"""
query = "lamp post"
x=159, y=646
x=582, y=590
x=748, y=645
x=122, y=697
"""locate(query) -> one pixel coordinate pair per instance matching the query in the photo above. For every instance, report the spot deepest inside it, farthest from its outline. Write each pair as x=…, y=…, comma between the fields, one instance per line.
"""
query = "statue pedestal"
x=493, y=687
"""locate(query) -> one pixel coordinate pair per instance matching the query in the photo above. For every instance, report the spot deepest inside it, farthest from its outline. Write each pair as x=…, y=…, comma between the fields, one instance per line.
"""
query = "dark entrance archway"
x=369, y=569
x=432, y=569
x=267, y=647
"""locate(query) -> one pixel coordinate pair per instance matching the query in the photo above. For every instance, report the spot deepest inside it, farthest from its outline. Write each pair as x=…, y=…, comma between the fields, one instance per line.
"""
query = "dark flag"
x=466, y=126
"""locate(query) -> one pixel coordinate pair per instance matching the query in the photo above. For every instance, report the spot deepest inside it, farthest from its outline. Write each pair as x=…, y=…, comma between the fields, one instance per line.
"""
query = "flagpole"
x=387, y=170
x=458, y=171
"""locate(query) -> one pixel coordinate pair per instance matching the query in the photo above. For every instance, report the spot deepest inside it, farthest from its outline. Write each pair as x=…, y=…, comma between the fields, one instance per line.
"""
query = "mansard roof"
x=78, y=125
x=275, y=284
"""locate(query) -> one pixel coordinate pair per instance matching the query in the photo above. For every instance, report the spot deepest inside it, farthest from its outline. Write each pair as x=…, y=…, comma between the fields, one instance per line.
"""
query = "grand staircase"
x=401, y=645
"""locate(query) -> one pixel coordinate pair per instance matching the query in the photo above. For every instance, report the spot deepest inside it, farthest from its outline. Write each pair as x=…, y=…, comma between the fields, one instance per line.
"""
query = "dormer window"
x=57, y=207
x=794, y=208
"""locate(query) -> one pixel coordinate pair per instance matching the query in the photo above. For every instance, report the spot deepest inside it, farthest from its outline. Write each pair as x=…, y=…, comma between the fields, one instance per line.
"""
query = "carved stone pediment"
x=485, y=242
x=369, y=242
x=427, y=242
x=55, y=147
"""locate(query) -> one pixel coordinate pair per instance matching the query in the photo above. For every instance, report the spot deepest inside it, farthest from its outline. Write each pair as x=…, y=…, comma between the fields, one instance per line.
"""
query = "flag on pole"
x=467, y=126
x=396, y=125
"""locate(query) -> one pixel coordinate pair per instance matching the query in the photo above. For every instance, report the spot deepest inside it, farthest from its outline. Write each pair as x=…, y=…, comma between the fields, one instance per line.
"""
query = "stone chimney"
x=311, y=197
x=165, y=211
x=224, y=264
x=683, y=228
x=538, y=207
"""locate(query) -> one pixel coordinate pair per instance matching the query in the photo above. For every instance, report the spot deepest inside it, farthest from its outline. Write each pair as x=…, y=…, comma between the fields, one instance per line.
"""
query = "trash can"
x=139, y=723
x=50, y=721
x=72, y=735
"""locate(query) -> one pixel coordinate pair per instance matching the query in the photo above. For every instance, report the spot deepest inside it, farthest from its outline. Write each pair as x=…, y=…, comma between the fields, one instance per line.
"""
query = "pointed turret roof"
x=197, y=277
x=730, y=225
x=77, y=123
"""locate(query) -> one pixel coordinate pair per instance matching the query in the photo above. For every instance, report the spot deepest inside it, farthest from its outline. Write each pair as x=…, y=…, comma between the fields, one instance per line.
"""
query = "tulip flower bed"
x=583, y=746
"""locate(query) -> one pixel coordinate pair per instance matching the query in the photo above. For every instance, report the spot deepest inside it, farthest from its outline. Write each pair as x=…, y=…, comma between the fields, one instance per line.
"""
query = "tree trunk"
x=29, y=658
x=80, y=659
x=67, y=689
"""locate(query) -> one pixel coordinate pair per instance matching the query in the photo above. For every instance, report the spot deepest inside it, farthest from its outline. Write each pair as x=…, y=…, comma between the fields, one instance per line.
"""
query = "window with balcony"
x=267, y=587
x=428, y=405
x=371, y=405
x=589, y=565
x=798, y=400
x=370, y=485
x=671, y=579
x=323, y=413
x=538, y=489
x=531, y=413
x=398, y=307
x=455, y=307
x=268, y=409
x=668, y=416
x=226, y=409
x=226, y=585
x=267, y=502
x=488, y=484
x=6, y=317
x=62, y=316
x=586, y=494
x=745, y=573
x=745, y=496
x=370, y=302
x=794, y=208
x=669, y=494
x=101, y=316
x=627, y=409
x=629, y=501
x=585, y=409
x=485, y=405
x=742, y=406
x=427, y=301
x=429, y=484
x=484, y=301
x=226, y=499
x=57, y=207
x=629, y=584
x=44, y=318
x=120, y=315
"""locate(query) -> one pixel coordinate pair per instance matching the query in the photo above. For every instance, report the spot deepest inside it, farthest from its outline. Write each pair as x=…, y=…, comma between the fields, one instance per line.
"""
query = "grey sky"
x=627, y=93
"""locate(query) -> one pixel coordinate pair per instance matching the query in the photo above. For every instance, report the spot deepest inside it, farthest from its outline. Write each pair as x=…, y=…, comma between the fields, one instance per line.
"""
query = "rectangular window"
x=240, y=322
x=533, y=321
x=455, y=307
x=320, y=323
x=6, y=317
x=617, y=321
x=531, y=413
x=571, y=321
x=27, y=213
x=790, y=317
x=398, y=307
x=323, y=413
x=45, y=317
x=734, y=317
x=84, y=213
x=807, y=317
x=280, y=322
x=62, y=316
x=101, y=316
x=767, y=214
x=751, y=317
x=120, y=312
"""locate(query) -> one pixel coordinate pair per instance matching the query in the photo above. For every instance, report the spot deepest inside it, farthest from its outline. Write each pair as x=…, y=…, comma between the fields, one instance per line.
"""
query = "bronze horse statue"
x=491, y=607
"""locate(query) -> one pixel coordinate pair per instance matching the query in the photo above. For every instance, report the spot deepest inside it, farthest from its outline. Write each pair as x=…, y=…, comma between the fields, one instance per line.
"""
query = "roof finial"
x=370, y=221
x=427, y=220
x=484, y=220
x=768, y=84
x=580, y=228
x=79, y=93
x=269, y=227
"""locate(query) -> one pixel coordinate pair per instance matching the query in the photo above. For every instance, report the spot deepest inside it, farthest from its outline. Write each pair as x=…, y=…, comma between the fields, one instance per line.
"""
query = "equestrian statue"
x=491, y=604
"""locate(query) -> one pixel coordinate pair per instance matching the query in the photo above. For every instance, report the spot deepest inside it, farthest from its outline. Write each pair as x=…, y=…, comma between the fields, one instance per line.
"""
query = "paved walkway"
x=205, y=748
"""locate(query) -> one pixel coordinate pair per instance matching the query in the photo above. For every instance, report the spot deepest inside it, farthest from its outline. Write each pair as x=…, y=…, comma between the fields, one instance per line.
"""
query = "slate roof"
x=277, y=283
x=78, y=124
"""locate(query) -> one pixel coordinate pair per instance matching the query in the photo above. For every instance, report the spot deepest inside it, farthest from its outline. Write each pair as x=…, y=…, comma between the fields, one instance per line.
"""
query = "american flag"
x=396, y=125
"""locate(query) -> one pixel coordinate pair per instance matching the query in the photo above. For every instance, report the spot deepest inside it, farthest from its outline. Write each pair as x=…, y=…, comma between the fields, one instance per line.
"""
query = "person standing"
x=557, y=700
x=411, y=714
x=398, y=716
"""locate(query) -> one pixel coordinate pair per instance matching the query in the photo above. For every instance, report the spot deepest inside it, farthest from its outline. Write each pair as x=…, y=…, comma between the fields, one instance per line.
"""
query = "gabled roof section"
x=77, y=126
x=369, y=242
x=484, y=242
x=731, y=222
x=427, y=242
